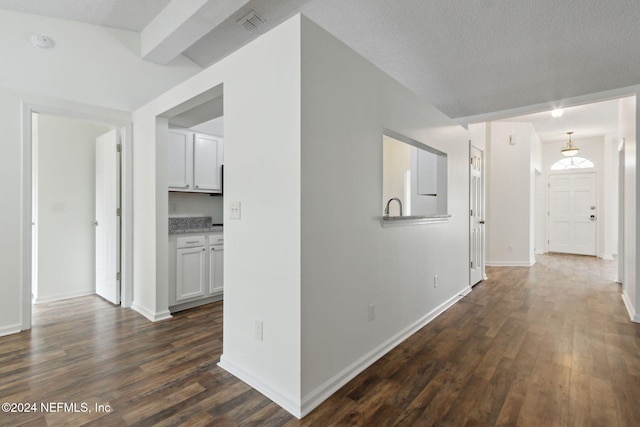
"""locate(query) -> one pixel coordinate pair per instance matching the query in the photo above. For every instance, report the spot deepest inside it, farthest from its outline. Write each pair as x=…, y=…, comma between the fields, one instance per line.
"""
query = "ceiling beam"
x=182, y=23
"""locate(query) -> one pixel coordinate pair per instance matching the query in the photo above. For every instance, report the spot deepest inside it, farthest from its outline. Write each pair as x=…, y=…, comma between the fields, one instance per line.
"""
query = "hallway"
x=546, y=345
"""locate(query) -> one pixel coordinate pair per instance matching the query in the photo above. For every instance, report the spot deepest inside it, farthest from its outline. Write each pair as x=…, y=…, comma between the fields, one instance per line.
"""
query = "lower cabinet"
x=216, y=263
x=195, y=270
x=191, y=269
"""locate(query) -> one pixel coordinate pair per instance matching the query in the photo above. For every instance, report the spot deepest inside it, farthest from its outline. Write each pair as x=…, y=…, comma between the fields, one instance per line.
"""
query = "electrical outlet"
x=435, y=280
x=234, y=210
x=372, y=312
x=257, y=329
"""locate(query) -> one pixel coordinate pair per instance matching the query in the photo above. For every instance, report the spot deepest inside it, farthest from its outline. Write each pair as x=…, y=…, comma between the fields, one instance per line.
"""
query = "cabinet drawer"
x=190, y=242
x=216, y=239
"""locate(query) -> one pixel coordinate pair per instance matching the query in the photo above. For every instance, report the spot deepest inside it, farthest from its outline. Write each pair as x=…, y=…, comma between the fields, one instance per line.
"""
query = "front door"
x=572, y=213
x=108, y=216
x=476, y=221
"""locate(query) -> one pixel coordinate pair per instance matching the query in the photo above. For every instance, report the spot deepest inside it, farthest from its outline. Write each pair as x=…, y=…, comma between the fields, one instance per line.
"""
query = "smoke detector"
x=251, y=21
x=43, y=42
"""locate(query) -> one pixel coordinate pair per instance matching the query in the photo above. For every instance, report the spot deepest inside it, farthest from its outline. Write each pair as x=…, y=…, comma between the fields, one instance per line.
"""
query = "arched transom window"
x=572, y=163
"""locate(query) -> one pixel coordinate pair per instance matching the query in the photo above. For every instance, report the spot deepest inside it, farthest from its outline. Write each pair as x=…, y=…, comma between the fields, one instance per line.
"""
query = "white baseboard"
x=510, y=263
x=539, y=252
x=309, y=402
x=10, y=329
x=60, y=297
x=321, y=393
x=149, y=314
x=635, y=318
x=288, y=403
x=608, y=257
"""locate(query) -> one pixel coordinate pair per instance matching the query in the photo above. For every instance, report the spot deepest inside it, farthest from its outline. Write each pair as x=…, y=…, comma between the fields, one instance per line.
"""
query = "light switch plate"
x=234, y=208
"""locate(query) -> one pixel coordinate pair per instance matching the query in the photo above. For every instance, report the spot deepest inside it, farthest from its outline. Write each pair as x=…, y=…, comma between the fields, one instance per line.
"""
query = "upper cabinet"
x=195, y=162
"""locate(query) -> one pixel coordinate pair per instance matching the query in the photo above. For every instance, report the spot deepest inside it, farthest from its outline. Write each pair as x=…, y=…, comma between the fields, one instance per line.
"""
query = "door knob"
x=481, y=221
x=593, y=217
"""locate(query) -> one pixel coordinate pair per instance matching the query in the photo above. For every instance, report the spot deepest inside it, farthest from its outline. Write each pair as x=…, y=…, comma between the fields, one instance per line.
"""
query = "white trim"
x=61, y=297
x=608, y=257
x=288, y=403
x=10, y=330
x=510, y=263
x=321, y=393
x=150, y=314
x=312, y=400
x=539, y=252
x=76, y=112
x=633, y=316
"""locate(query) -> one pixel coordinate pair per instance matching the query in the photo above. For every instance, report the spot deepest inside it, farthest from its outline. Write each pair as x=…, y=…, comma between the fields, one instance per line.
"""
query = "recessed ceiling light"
x=43, y=42
x=558, y=112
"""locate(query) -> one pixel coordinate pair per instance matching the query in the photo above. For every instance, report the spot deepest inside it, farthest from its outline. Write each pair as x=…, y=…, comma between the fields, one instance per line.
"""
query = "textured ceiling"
x=595, y=119
x=465, y=57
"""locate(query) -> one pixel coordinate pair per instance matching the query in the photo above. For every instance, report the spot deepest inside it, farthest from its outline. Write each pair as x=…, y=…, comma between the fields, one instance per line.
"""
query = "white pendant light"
x=569, y=149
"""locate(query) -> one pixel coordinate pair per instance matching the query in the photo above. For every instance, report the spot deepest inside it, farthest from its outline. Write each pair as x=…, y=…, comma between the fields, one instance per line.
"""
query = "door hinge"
x=118, y=212
x=119, y=148
x=471, y=212
x=471, y=264
x=549, y=185
x=118, y=276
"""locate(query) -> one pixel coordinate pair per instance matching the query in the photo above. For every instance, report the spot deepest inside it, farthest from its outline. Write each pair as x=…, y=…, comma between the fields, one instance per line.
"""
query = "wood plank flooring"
x=550, y=345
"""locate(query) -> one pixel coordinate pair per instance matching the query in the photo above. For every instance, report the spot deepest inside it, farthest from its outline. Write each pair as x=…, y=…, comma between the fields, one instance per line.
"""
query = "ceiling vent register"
x=251, y=21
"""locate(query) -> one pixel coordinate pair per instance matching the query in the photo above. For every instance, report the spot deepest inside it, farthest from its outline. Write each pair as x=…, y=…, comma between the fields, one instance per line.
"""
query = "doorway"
x=59, y=204
x=64, y=195
x=572, y=213
x=476, y=220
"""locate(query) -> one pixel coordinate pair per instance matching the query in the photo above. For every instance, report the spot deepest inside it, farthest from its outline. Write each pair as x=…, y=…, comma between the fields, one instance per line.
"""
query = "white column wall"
x=349, y=261
x=509, y=198
x=262, y=171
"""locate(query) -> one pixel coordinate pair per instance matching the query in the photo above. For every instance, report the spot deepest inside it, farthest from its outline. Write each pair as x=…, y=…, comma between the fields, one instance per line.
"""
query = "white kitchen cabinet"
x=216, y=264
x=207, y=163
x=196, y=265
x=194, y=162
x=191, y=270
x=180, y=152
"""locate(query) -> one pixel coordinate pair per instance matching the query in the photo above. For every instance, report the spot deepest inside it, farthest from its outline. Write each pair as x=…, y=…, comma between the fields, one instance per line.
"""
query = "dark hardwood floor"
x=548, y=345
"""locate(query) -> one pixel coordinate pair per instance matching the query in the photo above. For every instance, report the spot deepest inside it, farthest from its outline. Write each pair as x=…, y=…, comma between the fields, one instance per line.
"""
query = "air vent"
x=251, y=21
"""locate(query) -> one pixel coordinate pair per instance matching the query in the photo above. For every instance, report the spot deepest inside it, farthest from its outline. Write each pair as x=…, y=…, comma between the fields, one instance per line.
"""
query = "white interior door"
x=108, y=216
x=572, y=213
x=476, y=222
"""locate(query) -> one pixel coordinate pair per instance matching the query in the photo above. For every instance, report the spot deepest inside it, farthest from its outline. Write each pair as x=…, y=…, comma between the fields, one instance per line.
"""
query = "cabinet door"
x=190, y=270
x=216, y=274
x=207, y=161
x=180, y=153
x=427, y=173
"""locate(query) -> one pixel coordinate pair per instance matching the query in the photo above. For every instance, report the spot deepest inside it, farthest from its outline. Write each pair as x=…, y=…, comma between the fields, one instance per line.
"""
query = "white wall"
x=196, y=204
x=629, y=115
x=509, y=201
x=262, y=171
x=66, y=207
x=397, y=160
x=89, y=63
x=92, y=71
x=349, y=260
x=309, y=254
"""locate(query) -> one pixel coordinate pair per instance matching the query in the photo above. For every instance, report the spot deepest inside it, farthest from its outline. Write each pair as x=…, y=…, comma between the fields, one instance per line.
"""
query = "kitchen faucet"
x=386, y=211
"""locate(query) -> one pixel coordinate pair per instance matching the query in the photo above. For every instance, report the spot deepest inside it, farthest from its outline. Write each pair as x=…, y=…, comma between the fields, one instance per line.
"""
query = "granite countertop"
x=200, y=224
